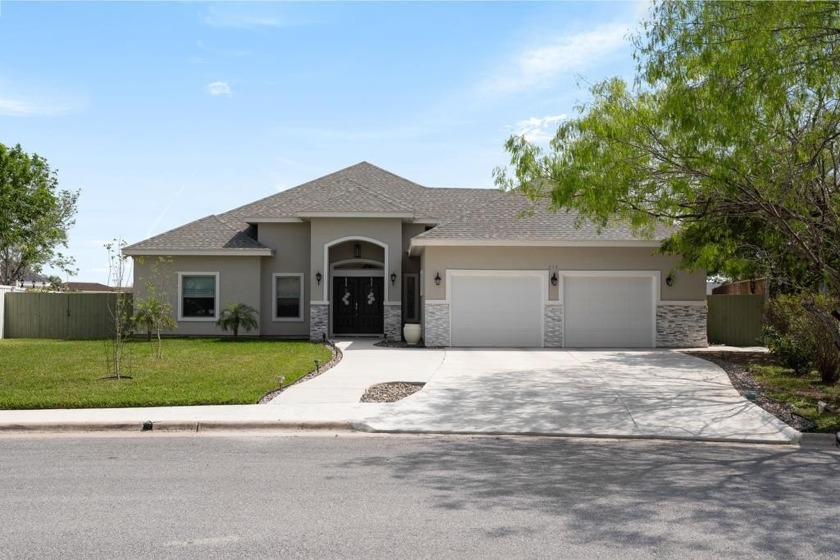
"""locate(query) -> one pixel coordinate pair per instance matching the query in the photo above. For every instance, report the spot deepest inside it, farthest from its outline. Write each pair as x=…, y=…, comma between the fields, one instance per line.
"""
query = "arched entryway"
x=357, y=290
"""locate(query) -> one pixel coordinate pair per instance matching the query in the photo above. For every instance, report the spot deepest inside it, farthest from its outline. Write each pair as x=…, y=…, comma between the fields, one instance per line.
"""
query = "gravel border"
x=390, y=392
x=398, y=344
x=744, y=382
x=337, y=355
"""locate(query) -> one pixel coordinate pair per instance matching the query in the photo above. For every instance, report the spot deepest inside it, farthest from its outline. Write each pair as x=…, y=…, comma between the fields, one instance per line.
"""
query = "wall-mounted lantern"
x=318, y=277
x=437, y=278
x=554, y=279
x=393, y=278
x=669, y=280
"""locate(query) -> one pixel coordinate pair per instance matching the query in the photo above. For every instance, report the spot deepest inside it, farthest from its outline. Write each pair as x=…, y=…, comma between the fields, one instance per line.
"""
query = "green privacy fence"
x=72, y=315
x=735, y=320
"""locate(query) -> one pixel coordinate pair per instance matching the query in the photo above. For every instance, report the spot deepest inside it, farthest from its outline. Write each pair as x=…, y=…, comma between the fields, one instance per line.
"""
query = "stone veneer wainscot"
x=681, y=325
x=319, y=320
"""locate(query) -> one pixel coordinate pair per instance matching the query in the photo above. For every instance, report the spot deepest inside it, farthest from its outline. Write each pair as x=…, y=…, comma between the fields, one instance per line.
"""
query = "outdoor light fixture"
x=318, y=277
x=357, y=251
x=437, y=278
x=670, y=280
x=554, y=279
x=393, y=278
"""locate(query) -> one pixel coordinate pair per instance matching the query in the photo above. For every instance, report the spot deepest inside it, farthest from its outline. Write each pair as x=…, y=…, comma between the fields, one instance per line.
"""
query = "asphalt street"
x=361, y=496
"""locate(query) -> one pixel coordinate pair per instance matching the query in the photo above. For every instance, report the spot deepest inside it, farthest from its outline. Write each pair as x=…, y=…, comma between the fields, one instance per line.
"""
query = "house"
x=86, y=287
x=362, y=251
x=34, y=280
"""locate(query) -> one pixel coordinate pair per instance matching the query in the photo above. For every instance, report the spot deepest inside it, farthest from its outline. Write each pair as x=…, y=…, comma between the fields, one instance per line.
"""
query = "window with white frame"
x=199, y=293
x=288, y=297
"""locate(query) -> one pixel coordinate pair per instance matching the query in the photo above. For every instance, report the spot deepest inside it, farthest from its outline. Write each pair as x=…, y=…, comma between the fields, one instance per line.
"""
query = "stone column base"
x=319, y=321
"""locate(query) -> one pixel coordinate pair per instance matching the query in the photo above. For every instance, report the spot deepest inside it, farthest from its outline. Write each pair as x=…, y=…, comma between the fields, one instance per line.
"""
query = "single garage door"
x=608, y=312
x=499, y=310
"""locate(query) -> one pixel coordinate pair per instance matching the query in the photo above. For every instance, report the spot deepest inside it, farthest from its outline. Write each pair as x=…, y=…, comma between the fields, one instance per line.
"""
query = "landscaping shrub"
x=796, y=332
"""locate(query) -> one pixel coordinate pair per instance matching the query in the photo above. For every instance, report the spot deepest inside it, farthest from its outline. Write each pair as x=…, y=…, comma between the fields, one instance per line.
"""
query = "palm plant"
x=236, y=315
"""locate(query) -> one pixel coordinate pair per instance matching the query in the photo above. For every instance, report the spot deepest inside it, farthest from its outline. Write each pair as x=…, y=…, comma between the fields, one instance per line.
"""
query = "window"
x=288, y=297
x=199, y=293
x=411, y=298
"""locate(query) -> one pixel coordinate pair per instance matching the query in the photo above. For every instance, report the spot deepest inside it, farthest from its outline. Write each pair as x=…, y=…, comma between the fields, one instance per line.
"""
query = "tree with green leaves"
x=155, y=315
x=34, y=215
x=153, y=310
x=238, y=315
x=730, y=133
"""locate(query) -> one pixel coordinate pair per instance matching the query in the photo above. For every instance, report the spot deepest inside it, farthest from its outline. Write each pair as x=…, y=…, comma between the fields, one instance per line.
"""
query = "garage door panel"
x=608, y=311
x=501, y=310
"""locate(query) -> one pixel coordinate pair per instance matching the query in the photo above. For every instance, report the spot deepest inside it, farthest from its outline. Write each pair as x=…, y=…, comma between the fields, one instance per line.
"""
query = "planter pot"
x=411, y=332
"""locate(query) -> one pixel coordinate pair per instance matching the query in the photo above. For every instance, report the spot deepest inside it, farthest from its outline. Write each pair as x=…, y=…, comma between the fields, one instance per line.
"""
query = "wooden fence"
x=736, y=320
x=57, y=315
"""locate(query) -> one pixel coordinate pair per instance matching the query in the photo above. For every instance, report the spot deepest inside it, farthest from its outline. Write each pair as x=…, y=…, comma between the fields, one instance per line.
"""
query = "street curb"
x=822, y=442
x=170, y=426
x=361, y=427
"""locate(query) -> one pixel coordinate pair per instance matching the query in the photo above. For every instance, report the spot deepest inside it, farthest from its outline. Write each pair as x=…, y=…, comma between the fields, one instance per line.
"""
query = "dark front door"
x=357, y=305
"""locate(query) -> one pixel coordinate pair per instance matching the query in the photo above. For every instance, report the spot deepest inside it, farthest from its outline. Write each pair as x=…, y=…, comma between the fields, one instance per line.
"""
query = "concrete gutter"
x=169, y=426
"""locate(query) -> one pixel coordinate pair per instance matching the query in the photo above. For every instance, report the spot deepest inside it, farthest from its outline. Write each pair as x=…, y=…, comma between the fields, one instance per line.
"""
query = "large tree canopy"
x=730, y=132
x=34, y=215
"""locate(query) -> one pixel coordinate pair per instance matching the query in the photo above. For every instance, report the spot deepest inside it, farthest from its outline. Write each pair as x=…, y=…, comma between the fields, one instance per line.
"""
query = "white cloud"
x=18, y=108
x=538, y=129
x=229, y=16
x=219, y=89
x=539, y=65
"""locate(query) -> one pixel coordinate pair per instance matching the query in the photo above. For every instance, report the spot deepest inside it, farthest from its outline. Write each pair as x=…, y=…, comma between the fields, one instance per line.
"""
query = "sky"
x=162, y=113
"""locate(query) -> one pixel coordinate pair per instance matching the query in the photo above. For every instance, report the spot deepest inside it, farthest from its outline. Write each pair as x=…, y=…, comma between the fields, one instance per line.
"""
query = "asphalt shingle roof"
x=513, y=217
x=462, y=214
x=207, y=234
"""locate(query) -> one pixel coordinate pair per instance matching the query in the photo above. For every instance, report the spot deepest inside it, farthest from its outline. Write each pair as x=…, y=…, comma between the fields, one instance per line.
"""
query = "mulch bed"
x=390, y=392
x=737, y=367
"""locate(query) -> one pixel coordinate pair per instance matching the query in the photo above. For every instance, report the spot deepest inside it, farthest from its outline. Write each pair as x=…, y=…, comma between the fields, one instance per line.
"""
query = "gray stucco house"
x=362, y=251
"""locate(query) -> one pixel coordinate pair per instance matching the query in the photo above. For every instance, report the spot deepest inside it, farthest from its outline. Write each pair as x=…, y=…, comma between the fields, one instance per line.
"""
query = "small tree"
x=155, y=315
x=153, y=310
x=120, y=309
x=236, y=315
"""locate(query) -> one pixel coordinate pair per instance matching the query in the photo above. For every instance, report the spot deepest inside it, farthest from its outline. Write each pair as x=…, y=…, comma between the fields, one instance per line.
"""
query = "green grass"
x=802, y=393
x=73, y=373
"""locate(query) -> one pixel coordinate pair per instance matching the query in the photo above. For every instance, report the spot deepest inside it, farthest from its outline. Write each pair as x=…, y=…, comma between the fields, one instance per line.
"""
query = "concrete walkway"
x=657, y=393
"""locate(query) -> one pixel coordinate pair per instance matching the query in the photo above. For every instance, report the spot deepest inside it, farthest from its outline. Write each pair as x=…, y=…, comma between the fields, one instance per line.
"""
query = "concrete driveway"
x=654, y=393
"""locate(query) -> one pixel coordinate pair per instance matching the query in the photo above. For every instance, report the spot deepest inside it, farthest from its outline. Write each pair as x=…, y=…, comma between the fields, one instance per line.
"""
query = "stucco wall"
x=687, y=286
x=239, y=282
x=291, y=255
x=328, y=230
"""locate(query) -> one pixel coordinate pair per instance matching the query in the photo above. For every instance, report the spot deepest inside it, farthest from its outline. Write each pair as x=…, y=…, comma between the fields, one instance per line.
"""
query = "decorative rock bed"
x=390, y=392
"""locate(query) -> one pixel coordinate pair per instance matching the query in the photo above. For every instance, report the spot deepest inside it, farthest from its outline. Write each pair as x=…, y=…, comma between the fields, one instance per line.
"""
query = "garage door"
x=608, y=311
x=496, y=310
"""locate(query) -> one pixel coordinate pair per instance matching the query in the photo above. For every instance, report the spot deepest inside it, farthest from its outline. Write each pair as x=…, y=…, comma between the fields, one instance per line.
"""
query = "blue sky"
x=165, y=112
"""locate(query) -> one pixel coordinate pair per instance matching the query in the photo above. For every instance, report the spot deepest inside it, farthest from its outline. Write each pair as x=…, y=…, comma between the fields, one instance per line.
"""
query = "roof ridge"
x=315, y=204
x=225, y=223
x=391, y=173
x=384, y=194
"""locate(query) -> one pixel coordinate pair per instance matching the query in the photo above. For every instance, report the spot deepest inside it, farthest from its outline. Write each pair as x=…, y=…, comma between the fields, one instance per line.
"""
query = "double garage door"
x=506, y=310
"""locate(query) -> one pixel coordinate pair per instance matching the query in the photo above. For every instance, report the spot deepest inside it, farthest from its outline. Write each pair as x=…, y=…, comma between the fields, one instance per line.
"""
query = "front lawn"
x=74, y=373
x=802, y=393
